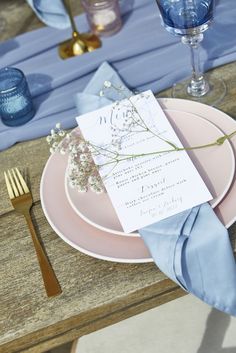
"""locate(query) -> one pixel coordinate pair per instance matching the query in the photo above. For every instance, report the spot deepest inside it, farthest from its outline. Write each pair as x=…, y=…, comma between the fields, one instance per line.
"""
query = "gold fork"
x=21, y=200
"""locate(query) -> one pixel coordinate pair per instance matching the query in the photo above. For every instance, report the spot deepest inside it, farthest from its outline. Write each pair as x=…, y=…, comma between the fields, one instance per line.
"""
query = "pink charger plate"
x=192, y=130
x=226, y=210
x=103, y=245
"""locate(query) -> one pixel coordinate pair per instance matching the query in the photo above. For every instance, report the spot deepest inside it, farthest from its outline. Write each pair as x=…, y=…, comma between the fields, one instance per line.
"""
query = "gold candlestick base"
x=78, y=45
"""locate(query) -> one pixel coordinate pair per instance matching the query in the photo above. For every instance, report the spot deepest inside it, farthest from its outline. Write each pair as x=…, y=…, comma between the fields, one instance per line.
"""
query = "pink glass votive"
x=103, y=16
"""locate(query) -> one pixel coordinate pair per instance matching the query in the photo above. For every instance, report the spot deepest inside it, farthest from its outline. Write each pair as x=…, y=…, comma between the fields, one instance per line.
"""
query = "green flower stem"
x=115, y=157
x=125, y=157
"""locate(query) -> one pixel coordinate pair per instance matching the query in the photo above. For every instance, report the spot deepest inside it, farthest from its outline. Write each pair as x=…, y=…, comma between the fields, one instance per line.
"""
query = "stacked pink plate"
x=88, y=222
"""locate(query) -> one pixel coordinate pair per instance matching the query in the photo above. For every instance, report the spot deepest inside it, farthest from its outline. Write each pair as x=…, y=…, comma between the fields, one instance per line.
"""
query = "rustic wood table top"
x=95, y=293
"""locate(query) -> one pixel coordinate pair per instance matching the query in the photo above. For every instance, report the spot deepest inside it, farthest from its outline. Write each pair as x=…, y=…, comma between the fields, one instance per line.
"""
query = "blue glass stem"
x=198, y=86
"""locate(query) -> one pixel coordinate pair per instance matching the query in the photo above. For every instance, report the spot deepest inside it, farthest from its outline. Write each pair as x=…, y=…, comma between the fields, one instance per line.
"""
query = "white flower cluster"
x=82, y=172
x=55, y=138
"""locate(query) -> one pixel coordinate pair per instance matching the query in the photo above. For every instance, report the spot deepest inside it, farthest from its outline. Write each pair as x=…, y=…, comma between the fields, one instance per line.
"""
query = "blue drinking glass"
x=16, y=105
x=189, y=19
x=186, y=17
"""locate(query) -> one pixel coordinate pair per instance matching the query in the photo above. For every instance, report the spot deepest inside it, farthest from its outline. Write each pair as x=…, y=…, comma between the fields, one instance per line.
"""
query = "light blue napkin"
x=194, y=250
x=141, y=52
x=90, y=99
x=51, y=12
x=193, y=247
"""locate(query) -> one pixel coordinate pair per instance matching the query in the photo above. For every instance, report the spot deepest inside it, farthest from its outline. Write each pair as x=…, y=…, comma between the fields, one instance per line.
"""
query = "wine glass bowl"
x=189, y=19
x=185, y=17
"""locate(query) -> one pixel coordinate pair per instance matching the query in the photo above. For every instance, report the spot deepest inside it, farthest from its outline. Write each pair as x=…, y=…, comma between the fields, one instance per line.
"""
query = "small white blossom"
x=55, y=144
x=72, y=183
x=96, y=188
x=92, y=179
x=49, y=139
x=84, y=164
x=82, y=188
x=63, y=151
x=107, y=84
x=82, y=146
x=61, y=133
x=91, y=149
x=84, y=157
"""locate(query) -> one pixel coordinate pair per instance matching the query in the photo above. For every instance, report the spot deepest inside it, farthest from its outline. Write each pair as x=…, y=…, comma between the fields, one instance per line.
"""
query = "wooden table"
x=96, y=293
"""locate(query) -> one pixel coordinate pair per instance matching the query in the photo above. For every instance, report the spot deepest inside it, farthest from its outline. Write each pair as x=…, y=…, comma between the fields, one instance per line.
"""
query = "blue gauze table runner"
x=143, y=53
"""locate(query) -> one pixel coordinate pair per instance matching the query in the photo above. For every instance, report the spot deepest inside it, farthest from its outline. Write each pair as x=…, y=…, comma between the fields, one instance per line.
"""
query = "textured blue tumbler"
x=16, y=105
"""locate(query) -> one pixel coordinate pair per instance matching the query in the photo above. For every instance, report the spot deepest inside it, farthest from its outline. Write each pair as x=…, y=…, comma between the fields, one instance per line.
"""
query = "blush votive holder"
x=16, y=105
x=103, y=16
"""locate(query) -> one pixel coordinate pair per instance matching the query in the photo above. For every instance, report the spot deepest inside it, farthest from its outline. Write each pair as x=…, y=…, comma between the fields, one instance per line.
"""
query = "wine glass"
x=189, y=19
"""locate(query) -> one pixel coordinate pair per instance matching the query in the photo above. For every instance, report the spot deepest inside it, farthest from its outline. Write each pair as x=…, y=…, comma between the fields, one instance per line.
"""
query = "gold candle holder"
x=80, y=43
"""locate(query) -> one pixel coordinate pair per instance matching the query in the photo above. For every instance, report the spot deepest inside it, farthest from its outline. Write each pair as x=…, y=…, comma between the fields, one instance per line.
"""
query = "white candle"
x=104, y=17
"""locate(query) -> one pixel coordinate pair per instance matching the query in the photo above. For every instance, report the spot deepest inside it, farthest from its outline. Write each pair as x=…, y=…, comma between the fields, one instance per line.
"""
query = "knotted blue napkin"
x=141, y=52
x=194, y=250
x=52, y=13
x=90, y=99
x=193, y=247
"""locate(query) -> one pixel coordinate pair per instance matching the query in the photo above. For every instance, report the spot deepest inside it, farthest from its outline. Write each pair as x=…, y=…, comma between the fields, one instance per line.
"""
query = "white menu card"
x=143, y=184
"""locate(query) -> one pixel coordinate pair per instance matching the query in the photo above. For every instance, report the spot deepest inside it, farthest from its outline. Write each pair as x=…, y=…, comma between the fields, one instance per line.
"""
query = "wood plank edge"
x=96, y=319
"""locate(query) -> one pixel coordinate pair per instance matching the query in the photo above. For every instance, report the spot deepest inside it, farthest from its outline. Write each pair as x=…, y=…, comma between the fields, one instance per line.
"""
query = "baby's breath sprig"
x=54, y=139
x=82, y=173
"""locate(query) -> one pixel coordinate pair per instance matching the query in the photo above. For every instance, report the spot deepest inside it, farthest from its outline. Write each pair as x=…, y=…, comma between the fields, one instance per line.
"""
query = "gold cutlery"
x=21, y=200
x=80, y=42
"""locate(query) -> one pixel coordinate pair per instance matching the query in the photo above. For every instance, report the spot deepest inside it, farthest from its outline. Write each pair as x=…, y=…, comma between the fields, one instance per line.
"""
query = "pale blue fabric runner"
x=143, y=53
x=193, y=247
